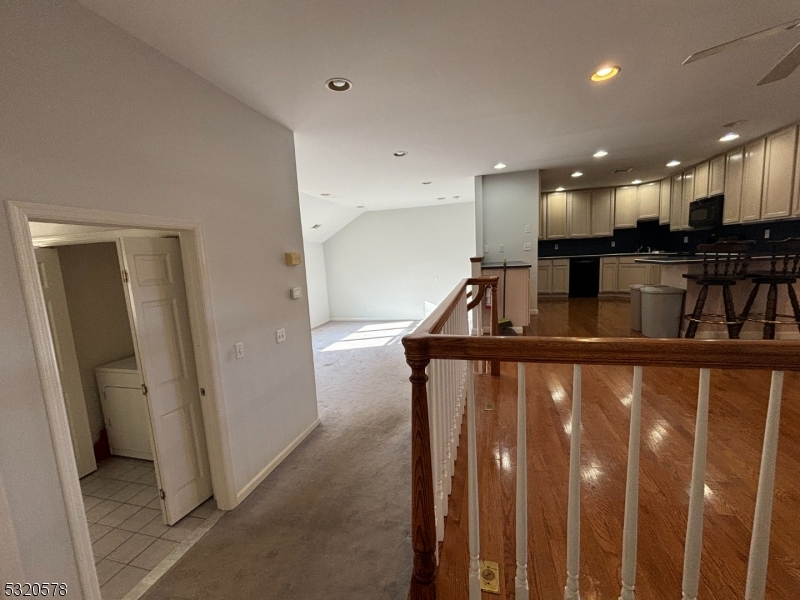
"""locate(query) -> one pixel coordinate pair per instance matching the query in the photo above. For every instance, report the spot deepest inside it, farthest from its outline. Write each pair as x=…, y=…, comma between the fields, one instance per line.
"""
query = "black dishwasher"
x=584, y=277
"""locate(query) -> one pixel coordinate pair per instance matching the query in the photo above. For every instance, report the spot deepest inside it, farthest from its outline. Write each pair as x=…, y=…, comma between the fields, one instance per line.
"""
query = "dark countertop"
x=511, y=264
x=605, y=254
x=682, y=260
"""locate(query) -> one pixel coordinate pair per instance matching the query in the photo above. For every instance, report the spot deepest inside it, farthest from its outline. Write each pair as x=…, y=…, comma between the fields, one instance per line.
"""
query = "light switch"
x=613, y=244
x=686, y=239
x=486, y=247
x=297, y=293
x=766, y=234
x=239, y=350
x=526, y=246
x=527, y=228
x=280, y=334
x=502, y=248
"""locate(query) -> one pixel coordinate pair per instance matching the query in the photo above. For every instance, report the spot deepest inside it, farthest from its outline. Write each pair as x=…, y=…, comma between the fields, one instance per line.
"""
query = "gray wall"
x=510, y=201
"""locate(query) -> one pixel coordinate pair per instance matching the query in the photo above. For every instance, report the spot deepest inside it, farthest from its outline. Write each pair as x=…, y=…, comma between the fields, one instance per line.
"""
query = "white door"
x=166, y=357
x=55, y=301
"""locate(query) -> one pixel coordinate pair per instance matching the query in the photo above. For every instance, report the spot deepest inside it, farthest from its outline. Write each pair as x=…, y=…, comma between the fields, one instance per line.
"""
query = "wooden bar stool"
x=724, y=263
x=784, y=270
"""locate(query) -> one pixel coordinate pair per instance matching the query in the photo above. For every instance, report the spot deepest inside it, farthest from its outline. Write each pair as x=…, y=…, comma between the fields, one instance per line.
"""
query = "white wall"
x=317, y=284
x=387, y=264
x=93, y=118
x=510, y=202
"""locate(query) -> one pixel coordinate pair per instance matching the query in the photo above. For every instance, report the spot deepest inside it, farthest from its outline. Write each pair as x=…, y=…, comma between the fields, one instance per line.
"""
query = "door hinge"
x=144, y=389
x=161, y=493
x=125, y=277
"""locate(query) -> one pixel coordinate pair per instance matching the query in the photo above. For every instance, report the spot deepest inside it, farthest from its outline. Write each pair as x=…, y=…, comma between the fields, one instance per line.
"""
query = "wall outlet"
x=239, y=350
x=613, y=244
x=502, y=247
x=766, y=234
x=486, y=247
x=556, y=247
x=527, y=246
x=527, y=228
x=281, y=335
x=297, y=293
x=686, y=239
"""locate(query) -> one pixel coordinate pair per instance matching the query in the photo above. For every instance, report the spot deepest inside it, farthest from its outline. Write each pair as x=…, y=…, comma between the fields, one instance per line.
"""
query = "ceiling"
x=463, y=85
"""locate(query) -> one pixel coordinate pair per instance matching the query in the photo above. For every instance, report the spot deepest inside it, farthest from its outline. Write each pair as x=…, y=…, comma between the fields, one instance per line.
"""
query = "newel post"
x=423, y=520
x=495, y=326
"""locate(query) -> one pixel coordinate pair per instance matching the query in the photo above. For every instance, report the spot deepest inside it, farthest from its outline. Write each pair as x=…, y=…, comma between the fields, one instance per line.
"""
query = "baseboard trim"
x=534, y=311
x=359, y=319
x=262, y=475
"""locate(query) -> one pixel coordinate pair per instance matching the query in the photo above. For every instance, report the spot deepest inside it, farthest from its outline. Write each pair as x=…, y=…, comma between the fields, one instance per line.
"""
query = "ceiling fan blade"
x=785, y=67
x=746, y=39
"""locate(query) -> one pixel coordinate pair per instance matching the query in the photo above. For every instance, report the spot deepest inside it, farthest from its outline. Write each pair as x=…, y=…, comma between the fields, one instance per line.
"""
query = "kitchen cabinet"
x=625, y=207
x=732, y=205
x=779, y=163
x=557, y=222
x=602, y=212
x=630, y=272
x=665, y=189
x=716, y=177
x=676, y=203
x=553, y=276
x=579, y=214
x=647, y=198
x=688, y=197
x=543, y=217
x=701, y=181
x=653, y=274
x=752, y=180
x=609, y=266
x=513, y=293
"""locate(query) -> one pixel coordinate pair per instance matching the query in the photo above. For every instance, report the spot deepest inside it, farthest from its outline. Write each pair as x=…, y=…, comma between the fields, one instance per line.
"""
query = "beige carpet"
x=333, y=520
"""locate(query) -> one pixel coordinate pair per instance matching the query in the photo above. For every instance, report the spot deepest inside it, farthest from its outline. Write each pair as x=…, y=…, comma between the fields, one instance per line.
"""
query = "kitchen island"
x=673, y=269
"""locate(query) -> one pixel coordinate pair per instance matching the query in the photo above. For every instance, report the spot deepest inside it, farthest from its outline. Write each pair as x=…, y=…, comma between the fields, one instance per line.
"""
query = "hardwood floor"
x=736, y=423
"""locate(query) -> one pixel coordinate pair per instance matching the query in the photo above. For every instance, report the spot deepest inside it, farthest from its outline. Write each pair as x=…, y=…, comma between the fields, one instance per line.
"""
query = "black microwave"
x=706, y=213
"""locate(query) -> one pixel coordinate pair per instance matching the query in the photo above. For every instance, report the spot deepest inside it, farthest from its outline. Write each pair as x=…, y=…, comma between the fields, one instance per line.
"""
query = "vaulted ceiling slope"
x=463, y=85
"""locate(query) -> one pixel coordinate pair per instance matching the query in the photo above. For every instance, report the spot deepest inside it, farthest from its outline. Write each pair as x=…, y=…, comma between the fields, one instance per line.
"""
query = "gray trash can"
x=636, y=304
x=662, y=310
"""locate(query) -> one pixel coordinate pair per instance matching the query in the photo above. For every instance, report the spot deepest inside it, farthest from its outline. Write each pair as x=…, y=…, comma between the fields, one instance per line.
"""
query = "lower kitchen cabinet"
x=619, y=273
x=553, y=276
x=608, y=274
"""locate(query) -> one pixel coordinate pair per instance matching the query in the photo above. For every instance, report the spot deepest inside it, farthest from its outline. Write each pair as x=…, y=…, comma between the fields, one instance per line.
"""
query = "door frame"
x=204, y=336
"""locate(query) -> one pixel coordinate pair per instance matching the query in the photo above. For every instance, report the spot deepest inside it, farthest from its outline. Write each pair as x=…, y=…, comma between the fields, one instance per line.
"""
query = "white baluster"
x=631, y=528
x=759, y=542
x=433, y=411
x=694, y=527
x=572, y=590
x=472, y=491
x=521, y=580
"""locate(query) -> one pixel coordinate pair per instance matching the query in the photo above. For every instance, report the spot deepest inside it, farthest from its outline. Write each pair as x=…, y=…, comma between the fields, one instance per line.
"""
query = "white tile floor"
x=127, y=530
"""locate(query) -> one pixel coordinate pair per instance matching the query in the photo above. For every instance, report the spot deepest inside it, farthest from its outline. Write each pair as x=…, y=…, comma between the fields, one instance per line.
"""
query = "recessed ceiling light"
x=338, y=84
x=400, y=153
x=324, y=194
x=427, y=182
x=605, y=73
x=577, y=174
x=729, y=137
x=600, y=154
x=559, y=189
x=636, y=181
x=360, y=206
x=673, y=163
x=500, y=166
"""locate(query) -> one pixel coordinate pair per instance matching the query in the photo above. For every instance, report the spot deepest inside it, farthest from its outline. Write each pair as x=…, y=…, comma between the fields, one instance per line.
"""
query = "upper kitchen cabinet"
x=716, y=176
x=603, y=212
x=557, y=224
x=543, y=217
x=676, y=203
x=625, y=207
x=779, y=166
x=752, y=180
x=664, y=201
x=688, y=197
x=701, y=181
x=732, y=205
x=647, y=197
x=579, y=214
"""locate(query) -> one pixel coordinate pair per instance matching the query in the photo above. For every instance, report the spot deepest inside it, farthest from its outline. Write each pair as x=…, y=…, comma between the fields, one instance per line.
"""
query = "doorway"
x=152, y=313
